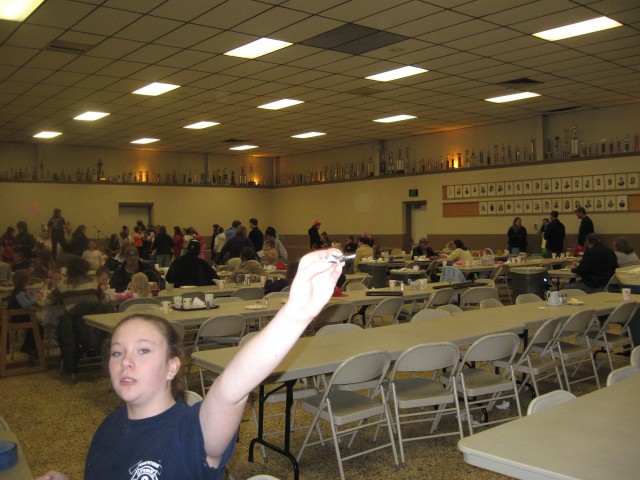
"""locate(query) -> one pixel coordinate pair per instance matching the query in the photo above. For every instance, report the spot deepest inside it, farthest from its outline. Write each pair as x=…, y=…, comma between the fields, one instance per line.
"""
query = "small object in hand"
x=339, y=258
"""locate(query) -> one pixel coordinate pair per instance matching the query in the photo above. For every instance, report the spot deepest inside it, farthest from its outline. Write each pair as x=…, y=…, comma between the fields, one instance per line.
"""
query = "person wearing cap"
x=586, y=225
x=190, y=269
x=423, y=249
x=132, y=264
x=314, y=236
x=598, y=265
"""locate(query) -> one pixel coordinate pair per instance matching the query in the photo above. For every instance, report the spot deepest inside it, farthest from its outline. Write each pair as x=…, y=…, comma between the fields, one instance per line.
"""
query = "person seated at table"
x=79, y=241
x=271, y=234
x=460, y=254
x=234, y=245
x=132, y=264
x=21, y=298
x=517, y=237
x=350, y=245
x=7, y=245
x=76, y=287
x=24, y=241
x=21, y=262
x=270, y=257
x=364, y=250
x=139, y=288
x=448, y=248
x=598, y=265
x=191, y=442
x=248, y=264
x=423, y=250
x=190, y=269
x=624, y=252
x=102, y=277
x=93, y=255
x=43, y=264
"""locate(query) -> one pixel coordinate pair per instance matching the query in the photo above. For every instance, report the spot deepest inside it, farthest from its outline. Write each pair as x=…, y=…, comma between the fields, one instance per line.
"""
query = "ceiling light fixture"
x=396, y=118
x=257, y=48
x=91, y=116
x=513, y=97
x=580, y=28
x=396, y=73
x=144, y=141
x=244, y=147
x=201, y=125
x=45, y=134
x=156, y=88
x=279, y=104
x=308, y=135
x=17, y=10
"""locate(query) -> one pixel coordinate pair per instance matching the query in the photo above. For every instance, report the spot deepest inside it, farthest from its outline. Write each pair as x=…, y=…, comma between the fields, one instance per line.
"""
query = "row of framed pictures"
x=587, y=183
x=542, y=206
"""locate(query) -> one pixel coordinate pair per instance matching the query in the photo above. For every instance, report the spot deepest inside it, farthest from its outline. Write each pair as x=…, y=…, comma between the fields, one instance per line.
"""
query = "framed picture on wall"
x=474, y=189
x=621, y=203
x=537, y=207
x=610, y=203
x=508, y=207
x=556, y=204
x=491, y=189
x=621, y=181
x=451, y=191
x=466, y=191
x=587, y=202
x=508, y=188
x=546, y=185
x=598, y=183
x=500, y=207
x=598, y=204
x=556, y=185
x=527, y=207
x=491, y=207
x=632, y=180
x=482, y=208
x=537, y=186
x=500, y=188
x=518, y=209
x=566, y=205
x=576, y=184
x=566, y=185
x=482, y=189
x=458, y=191
x=587, y=184
x=610, y=182
x=517, y=187
x=577, y=202
x=547, y=206
x=527, y=187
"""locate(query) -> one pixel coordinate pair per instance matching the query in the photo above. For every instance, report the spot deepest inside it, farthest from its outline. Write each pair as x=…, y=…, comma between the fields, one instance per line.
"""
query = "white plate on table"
x=188, y=286
x=256, y=307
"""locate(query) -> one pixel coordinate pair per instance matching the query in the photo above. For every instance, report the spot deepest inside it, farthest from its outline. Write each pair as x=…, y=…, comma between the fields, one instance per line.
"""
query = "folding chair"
x=124, y=306
x=499, y=279
x=635, y=357
x=572, y=292
x=413, y=395
x=490, y=303
x=334, y=313
x=442, y=296
x=389, y=307
x=338, y=328
x=473, y=296
x=527, y=298
x=428, y=314
x=622, y=373
x=340, y=405
x=191, y=397
x=249, y=293
x=548, y=400
x=193, y=294
x=451, y=308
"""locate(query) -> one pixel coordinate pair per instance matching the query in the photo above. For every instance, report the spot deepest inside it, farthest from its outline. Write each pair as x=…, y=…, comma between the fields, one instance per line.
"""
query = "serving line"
x=592, y=437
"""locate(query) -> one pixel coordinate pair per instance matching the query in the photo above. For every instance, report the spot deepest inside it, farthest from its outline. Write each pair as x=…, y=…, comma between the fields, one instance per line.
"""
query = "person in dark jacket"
x=517, y=236
x=132, y=264
x=190, y=269
x=255, y=235
x=554, y=234
x=423, y=249
x=163, y=245
x=598, y=265
x=314, y=235
x=234, y=246
x=586, y=226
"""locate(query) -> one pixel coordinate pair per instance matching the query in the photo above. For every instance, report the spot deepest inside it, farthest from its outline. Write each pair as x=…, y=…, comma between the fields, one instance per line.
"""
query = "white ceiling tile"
x=150, y=54
x=148, y=29
x=115, y=48
x=34, y=36
x=105, y=21
x=60, y=13
x=229, y=14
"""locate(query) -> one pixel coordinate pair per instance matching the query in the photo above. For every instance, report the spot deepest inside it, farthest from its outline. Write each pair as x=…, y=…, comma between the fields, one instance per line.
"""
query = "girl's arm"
x=224, y=404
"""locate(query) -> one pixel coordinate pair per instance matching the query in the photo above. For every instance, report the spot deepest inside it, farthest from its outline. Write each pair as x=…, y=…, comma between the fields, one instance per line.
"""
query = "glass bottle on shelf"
x=243, y=177
x=399, y=162
x=474, y=159
x=517, y=153
x=383, y=164
x=532, y=150
x=574, y=142
x=557, y=151
x=146, y=176
x=233, y=177
x=611, y=146
x=626, y=144
x=566, y=152
x=460, y=160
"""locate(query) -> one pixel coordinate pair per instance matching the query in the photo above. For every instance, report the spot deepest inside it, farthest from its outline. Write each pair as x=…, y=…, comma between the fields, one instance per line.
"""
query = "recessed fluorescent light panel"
x=308, y=135
x=397, y=73
x=17, y=10
x=243, y=147
x=201, y=125
x=580, y=28
x=91, y=116
x=279, y=104
x=258, y=48
x=46, y=134
x=513, y=97
x=397, y=118
x=156, y=88
x=144, y=141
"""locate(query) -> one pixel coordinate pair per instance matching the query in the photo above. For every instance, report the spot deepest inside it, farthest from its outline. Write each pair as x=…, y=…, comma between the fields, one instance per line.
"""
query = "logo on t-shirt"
x=145, y=470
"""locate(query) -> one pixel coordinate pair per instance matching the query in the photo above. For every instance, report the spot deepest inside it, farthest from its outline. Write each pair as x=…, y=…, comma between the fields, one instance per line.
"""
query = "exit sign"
x=413, y=192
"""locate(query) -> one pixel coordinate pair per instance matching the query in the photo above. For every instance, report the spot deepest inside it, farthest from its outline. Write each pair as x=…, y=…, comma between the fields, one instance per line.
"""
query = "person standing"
x=586, y=225
x=55, y=229
x=255, y=234
x=314, y=236
x=163, y=245
x=231, y=231
x=554, y=234
x=178, y=240
x=517, y=235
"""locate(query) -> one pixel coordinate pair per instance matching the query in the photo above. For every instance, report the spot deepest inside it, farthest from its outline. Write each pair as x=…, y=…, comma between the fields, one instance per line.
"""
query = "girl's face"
x=92, y=245
x=103, y=279
x=139, y=369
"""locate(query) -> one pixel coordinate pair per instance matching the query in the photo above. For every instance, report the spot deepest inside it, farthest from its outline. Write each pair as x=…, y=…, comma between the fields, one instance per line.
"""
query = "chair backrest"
x=388, y=307
x=544, y=338
x=499, y=272
x=572, y=292
x=428, y=314
x=427, y=357
x=338, y=328
x=219, y=300
x=442, y=296
x=527, y=298
x=490, y=303
x=635, y=356
x=277, y=296
x=548, y=400
x=246, y=337
x=620, y=374
x=180, y=330
x=622, y=314
x=452, y=274
x=578, y=323
x=476, y=294
x=263, y=476
x=613, y=282
x=127, y=304
x=451, y=308
x=223, y=326
x=286, y=289
x=361, y=368
x=355, y=286
x=334, y=313
x=493, y=347
x=191, y=397
x=249, y=293
x=193, y=294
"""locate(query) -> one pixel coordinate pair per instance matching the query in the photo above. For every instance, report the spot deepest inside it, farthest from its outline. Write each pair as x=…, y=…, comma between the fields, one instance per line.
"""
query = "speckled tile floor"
x=54, y=420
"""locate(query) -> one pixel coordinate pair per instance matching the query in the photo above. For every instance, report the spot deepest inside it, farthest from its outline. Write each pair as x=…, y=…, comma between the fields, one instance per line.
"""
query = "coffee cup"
x=263, y=280
x=416, y=258
x=554, y=255
x=626, y=294
x=553, y=298
x=392, y=283
x=208, y=299
x=220, y=283
x=186, y=303
x=166, y=306
x=177, y=302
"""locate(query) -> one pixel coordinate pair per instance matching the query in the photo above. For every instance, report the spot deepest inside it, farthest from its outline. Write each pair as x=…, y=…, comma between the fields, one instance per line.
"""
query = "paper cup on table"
x=626, y=294
x=392, y=283
x=177, y=302
x=220, y=283
x=208, y=299
x=166, y=306
x=263, y=280
x=554, y=255
x=186, y=303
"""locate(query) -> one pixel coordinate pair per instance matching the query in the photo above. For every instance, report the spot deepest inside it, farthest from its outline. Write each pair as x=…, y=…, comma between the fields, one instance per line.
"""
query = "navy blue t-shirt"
x=168, y=446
